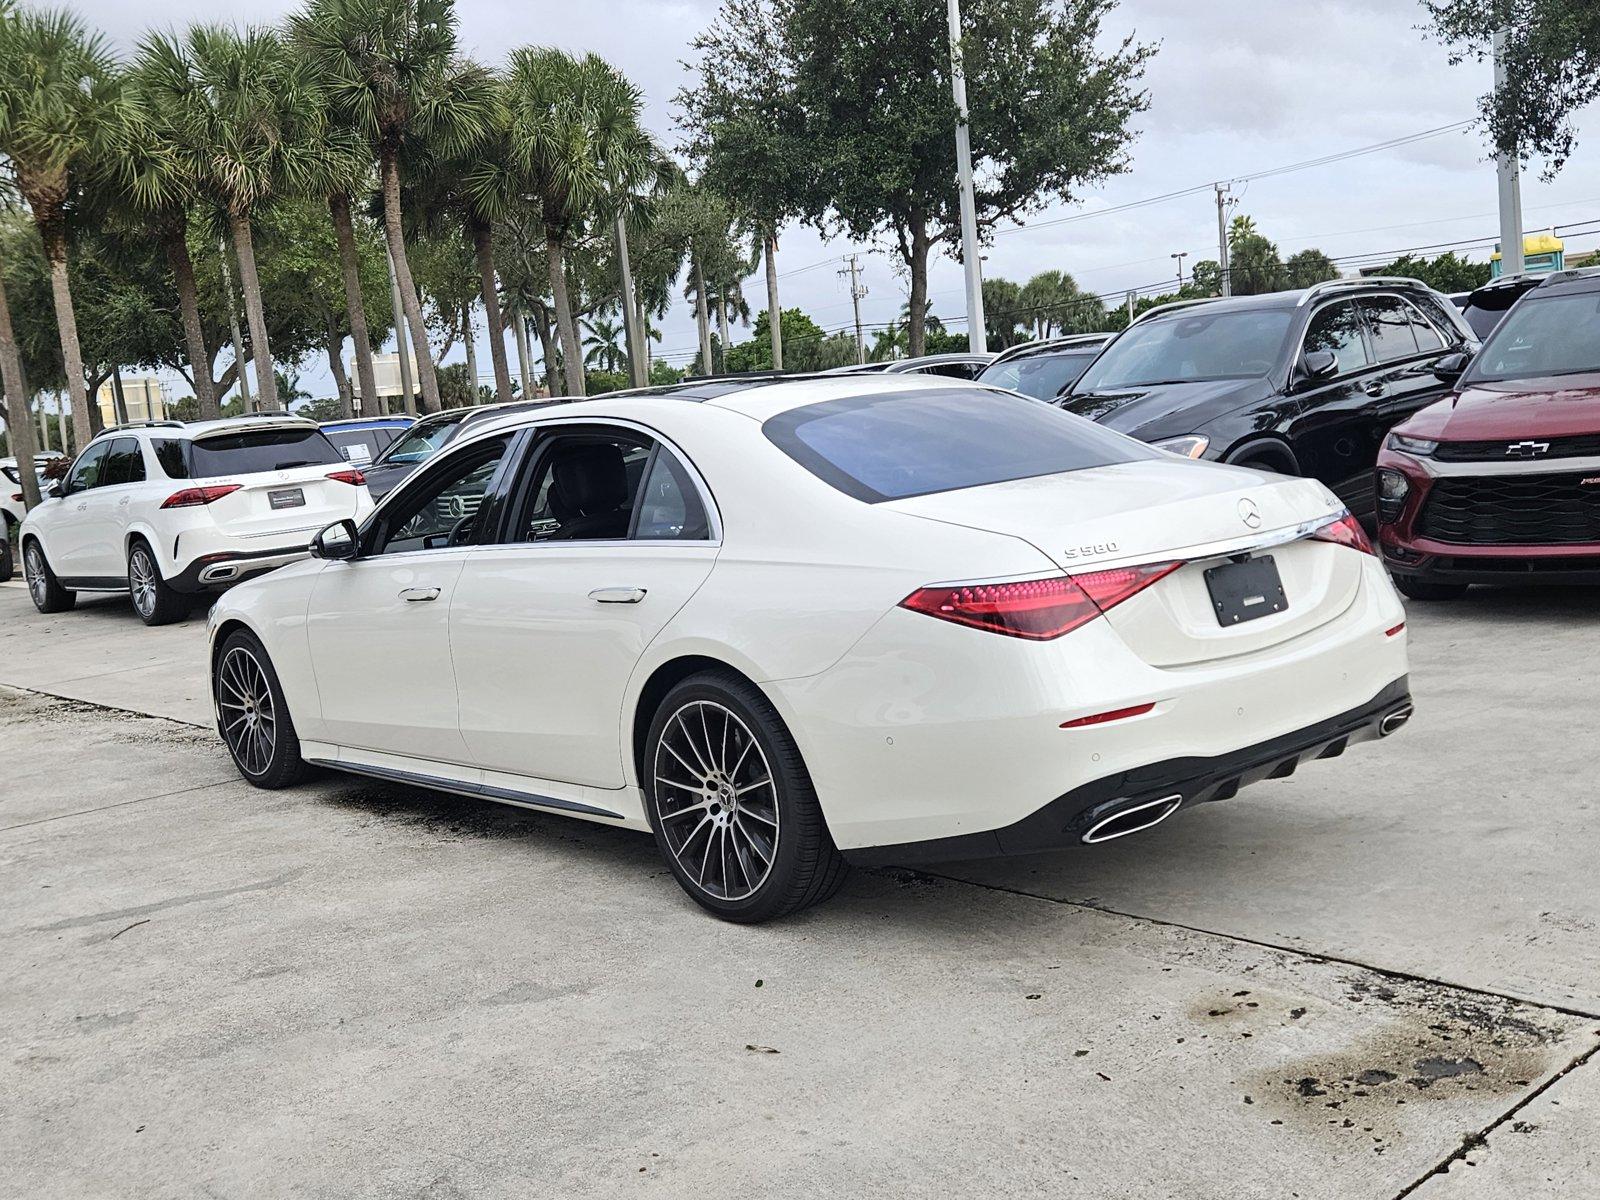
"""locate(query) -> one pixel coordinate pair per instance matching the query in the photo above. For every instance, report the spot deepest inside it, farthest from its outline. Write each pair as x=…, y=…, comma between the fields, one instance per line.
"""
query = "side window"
x=1390, y=323
x=442, y=510
x=1441, y=320
x=669, y=503
x=1422, y=329
x=170, y=457
x=1337, y=329
x=584, y=486
x=87, y=470
x=124, y=463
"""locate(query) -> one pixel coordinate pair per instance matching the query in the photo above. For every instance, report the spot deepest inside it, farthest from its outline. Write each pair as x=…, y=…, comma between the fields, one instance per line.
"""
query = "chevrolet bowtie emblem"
x=1527, y=449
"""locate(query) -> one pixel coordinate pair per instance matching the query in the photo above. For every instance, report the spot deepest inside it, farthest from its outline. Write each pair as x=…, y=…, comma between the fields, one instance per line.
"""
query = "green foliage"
x=756, y=354
x=1309, y=267
x=457, y=390
x=1552, y=61
x=596, y=382
x=325, y=408
x=662, y=374
x=1447, y=273
x=1254, y=267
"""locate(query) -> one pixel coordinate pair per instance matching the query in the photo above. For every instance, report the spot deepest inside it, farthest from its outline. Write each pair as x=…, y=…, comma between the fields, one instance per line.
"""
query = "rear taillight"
x=190, y=497
x=353, y=477
x=1344, y=530
x=1036, y=609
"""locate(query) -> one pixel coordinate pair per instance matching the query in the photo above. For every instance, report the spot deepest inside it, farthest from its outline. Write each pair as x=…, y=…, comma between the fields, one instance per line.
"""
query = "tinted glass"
x=255, y=450
x=1483, y=320
x=1337, y=329
x=1191, y=348
x=669, y=505
x=1389, y=322
x=421, y=442
x=86, y=471
x=361, y=446
x=1427, y=336
x=11, y=474
x=1543, y=335
x=172, y=456
x=1042, y=376
x=889, y=447
x=954, y=370
x=584, y=488
x=124, y=463
x=442, y=511
x=1443, y=317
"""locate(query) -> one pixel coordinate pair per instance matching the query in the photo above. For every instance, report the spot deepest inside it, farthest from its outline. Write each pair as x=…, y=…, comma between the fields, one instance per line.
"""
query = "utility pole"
x=857, y=291
x=1222, y=238
x=233, y=324
x=1508, y=166
x=400, y=339
x=1180, y=256
x=1130, y=308
x=977, y=334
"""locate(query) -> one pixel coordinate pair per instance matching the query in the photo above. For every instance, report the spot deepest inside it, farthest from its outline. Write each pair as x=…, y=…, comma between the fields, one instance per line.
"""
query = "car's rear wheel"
x=252, y=715
x=156, y=602
x=732, y=805
x=8, y=562
x=1428, y=589
x=43, y=586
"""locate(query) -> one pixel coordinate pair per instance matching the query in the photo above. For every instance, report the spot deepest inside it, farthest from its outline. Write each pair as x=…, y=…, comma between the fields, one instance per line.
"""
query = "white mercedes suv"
x=786, y=625
x=165, y=510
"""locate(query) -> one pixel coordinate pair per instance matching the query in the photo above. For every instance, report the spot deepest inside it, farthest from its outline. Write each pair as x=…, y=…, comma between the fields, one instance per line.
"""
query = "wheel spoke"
x=685, y=812
x=701, y=769
x=750, y=787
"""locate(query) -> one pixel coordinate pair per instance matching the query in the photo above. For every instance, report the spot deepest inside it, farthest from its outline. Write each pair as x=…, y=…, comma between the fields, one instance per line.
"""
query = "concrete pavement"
x=1376, y=979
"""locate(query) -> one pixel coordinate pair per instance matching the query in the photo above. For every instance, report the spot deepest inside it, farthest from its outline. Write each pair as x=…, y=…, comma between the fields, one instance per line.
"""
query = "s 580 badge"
x=1091, y=551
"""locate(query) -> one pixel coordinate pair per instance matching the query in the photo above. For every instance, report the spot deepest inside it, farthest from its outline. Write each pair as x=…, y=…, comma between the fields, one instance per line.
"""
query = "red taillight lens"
x=353, y=477
x=1116, y=714
x=1345, y=531
x=16, y=497
x=190, y=497
x=1036, y=609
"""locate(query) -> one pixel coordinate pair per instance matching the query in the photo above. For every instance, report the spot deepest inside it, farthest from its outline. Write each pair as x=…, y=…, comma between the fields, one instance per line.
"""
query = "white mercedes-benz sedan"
x=790, y=624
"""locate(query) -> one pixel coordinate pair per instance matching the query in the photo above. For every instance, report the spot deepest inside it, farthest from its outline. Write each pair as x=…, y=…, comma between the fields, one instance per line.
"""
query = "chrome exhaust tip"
x=1392, y=722
x=218, y=573
x=1133, y=819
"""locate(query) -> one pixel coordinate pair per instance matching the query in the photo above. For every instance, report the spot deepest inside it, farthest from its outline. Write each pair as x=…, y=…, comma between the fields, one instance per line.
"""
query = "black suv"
x=1303, y=383
x=1047, y=369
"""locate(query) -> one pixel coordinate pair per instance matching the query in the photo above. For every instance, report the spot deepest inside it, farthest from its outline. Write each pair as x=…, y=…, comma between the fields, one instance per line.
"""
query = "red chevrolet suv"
x=1500, y=481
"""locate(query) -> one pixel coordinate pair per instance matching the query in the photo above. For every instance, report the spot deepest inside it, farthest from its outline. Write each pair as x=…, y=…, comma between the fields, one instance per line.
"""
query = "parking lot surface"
x=1379, y=978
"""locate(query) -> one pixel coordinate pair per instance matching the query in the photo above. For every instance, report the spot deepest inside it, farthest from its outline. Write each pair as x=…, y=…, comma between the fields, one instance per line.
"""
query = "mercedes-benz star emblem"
x=1249, y=513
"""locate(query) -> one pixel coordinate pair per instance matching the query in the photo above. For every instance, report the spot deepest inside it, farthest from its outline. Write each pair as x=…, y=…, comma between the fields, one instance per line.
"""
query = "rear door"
x=121, y=479
x=608, y=535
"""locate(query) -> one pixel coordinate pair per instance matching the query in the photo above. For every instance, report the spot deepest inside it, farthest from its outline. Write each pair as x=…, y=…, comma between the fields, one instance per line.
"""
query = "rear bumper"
x=1065, y=820
x=223, y=569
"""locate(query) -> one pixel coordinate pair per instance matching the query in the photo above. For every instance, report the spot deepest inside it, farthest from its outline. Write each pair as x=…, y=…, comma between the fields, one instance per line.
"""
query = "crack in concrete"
x=89, y=812
x=140, y=910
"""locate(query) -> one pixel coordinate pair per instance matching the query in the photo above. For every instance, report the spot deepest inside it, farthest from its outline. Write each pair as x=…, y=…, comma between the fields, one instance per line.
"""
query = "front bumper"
x=1064, y=821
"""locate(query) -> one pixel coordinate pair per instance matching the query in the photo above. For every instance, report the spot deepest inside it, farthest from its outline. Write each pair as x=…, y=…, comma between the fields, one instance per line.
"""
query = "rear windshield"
x=1542, y=335
x=1042, y=376
x=361, y=446
x=420, y=441
x=245, y=453
x=916, y=443
x=1192, y=348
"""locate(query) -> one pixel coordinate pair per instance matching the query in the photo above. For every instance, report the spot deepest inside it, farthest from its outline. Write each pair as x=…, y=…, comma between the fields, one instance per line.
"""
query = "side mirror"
x=57, y=489
x=337, y=541
x=1319, y=364
x=1451, y=367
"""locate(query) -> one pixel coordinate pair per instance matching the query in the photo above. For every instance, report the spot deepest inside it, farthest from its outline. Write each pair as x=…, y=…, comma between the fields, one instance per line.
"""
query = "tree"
x=1004, y=318
x=1254, y=267
x=246, y=113
x=604, y=347
x=60, y=107
x=1552, y=61
x=392, y=73
x=491, y=189
x=756, y=354
x=1447, y=273
x=1052, y=303
x=1308, y=267
x=875, y=118
x=19, y=421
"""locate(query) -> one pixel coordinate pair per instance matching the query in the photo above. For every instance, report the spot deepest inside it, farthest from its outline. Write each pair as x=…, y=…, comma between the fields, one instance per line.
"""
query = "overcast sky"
x=1236, y=89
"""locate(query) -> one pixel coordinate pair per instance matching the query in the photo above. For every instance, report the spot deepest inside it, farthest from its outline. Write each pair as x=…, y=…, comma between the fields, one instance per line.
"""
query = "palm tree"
x=60, y=104
x=392, y=73
x=571, y=120
x=341, y=169
x=251, y=121
x=490, y=190
x=604, y=352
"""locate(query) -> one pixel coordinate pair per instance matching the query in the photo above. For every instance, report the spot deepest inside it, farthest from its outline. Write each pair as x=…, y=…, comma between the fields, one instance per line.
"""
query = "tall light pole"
x=1508, y=167
x=1180, y=256
x=977, y=335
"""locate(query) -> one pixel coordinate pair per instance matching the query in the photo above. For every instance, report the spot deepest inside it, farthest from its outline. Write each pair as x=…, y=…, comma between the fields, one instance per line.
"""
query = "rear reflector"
x=1345, y=530
x=1400, y=628
x=1036, y=609
x=351, y=477
x=1116, y=714
x=190, y=497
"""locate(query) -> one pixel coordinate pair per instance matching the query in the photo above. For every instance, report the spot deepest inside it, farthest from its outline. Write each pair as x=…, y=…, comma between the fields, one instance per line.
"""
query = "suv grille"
x=1581, y=445
x=1522, y=510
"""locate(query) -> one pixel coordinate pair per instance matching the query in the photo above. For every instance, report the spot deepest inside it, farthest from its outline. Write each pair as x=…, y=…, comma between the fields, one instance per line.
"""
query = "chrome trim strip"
x=459, y=787
x=1510, y=466
x=1167, y=804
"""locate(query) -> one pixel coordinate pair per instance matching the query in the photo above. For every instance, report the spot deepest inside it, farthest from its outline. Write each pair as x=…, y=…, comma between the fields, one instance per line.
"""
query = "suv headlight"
x=1191, y=445
x=1418, y=447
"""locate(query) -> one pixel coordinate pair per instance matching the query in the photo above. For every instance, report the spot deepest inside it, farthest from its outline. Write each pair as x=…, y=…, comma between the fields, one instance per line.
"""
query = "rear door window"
x=892, y=447
x=1389, y=321
x=252, y=451
x=124, y=463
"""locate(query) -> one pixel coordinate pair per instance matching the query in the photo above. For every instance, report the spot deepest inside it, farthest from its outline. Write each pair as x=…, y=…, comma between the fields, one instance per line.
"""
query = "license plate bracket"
x=287, y=498
x=1246, y=591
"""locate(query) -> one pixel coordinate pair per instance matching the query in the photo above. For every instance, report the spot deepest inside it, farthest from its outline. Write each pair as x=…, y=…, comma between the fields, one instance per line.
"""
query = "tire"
x=253, y=716
x=154, y=600
x=8, y=562
x=755, y=852
x=48, y=594
x=1266, y=460
x=1428, y=589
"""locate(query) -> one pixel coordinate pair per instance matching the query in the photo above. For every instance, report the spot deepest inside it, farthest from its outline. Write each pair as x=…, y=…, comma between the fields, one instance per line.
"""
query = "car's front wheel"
x=156, y=602
x=252, y=715
x=732, y=805
x=45, y=589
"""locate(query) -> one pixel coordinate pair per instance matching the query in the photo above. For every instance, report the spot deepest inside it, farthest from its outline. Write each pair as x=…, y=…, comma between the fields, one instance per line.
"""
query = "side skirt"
x=460, y=787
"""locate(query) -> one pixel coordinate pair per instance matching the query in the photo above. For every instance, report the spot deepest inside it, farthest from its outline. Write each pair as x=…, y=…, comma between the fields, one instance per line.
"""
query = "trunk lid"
x=1201, y=514
x=278, y=504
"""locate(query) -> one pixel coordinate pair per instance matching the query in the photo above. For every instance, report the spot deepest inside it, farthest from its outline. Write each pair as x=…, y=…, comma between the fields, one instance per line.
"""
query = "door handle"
x=416, y=595
x=618, y=595
x=1375, y=389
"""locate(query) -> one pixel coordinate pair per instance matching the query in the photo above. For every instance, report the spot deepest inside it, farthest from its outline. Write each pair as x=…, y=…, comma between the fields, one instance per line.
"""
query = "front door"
x=608, y=535
x=73, y=535
x=378, y=625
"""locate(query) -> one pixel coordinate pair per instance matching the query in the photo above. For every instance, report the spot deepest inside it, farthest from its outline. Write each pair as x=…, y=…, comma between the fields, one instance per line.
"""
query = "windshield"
x=421, y=441
x=913, y=444
x=1042, y=376
x=1542, y=335
x=1192, y=348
